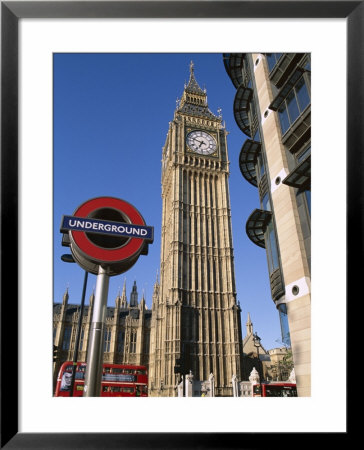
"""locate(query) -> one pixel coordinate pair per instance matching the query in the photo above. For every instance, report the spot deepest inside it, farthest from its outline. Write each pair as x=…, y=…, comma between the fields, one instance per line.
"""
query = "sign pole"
x=93, y=374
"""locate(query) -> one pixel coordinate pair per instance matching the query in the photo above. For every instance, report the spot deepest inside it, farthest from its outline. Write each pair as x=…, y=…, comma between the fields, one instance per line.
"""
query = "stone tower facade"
x=196, y=319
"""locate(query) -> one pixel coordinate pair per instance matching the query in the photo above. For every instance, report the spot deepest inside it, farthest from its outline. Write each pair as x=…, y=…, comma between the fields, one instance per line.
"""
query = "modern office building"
x=272, y=107
x=196, y=321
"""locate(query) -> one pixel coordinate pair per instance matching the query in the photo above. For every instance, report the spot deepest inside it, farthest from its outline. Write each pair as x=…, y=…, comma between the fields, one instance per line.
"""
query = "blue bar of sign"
x=70, y=223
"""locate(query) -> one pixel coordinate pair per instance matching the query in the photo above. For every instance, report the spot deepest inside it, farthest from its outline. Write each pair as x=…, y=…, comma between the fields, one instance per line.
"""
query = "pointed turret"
x=118, y=300
x=194, y=99
x=249, y=326
x=65, y=297
x=155, y=297
x=142, y=302
x=124, y=301
x=134, y=296
x=192, y=86
x=64, y=303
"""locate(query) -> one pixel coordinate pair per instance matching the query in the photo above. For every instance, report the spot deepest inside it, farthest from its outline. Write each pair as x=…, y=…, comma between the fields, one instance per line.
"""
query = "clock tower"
x=196, y=319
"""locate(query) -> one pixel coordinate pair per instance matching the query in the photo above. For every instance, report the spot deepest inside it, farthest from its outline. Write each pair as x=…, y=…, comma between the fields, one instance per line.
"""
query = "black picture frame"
x=11, y=12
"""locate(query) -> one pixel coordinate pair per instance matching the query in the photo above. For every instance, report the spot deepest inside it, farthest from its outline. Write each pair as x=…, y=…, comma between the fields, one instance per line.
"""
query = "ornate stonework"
x=126, y=333
x=196, y=319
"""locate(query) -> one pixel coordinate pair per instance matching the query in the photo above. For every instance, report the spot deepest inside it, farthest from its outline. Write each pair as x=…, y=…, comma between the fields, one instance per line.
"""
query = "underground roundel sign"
x=106, y=231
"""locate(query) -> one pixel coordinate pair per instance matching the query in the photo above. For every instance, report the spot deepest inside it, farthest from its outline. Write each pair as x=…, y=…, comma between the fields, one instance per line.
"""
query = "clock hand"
x=200, y=142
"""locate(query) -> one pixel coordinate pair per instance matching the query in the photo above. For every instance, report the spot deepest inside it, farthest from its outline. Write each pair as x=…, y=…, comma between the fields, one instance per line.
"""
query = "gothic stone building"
x=126, y=332
x=196, y=318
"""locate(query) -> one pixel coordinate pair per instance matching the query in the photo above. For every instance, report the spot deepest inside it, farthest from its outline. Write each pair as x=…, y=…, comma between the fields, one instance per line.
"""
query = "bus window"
x=127, y=390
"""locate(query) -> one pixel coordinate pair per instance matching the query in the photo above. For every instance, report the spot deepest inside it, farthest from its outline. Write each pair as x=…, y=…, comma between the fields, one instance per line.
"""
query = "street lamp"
x=69, y=259
x=257, y=340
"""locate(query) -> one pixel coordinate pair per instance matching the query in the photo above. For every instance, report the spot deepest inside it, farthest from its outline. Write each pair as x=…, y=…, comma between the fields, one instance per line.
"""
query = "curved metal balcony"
x=256, y=226
x=248, y=160
x=241, y=107
x=301, y=175
x=233, y=63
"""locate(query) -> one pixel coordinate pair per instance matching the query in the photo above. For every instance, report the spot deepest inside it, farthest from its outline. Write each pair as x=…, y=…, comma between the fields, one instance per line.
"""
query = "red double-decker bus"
x=118, y=380
x=275, y=389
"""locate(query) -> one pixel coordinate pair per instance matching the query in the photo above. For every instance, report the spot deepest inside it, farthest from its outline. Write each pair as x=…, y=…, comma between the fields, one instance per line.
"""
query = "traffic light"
x=55, y=353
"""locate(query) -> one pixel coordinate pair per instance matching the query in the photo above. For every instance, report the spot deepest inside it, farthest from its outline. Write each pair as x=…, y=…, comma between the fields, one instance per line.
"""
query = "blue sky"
x=111, y=116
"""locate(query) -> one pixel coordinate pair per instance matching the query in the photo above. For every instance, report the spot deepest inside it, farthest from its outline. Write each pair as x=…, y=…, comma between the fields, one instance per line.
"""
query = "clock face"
x=201, y=142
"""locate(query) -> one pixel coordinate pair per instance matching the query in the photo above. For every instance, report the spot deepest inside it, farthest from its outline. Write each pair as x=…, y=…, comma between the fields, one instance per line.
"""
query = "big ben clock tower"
x=196, y=319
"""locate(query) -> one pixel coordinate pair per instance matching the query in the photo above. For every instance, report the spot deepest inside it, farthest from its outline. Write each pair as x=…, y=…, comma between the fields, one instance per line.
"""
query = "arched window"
x=107, y=339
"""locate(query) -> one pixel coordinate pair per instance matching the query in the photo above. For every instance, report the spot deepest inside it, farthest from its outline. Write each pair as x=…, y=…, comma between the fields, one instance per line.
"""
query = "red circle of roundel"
x=102, y=254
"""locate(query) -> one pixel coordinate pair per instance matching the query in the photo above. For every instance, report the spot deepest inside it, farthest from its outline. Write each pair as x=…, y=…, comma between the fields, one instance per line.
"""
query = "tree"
x=281, y=369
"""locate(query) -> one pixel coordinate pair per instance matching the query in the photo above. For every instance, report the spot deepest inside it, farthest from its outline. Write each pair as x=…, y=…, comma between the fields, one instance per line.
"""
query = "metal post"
x=260, y=377
x=93, y=374
x=79, y=326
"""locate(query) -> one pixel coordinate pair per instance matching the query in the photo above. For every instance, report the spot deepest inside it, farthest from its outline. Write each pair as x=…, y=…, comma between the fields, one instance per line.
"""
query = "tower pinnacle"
x=194, y=99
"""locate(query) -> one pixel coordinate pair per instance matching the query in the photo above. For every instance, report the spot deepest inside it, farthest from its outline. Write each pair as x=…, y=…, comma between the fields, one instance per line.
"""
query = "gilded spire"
x=192, y=86
x=194, y=99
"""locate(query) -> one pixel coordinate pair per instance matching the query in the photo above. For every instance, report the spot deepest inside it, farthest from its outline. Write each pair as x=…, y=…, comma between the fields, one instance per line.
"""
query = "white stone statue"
x=190, y=377
x=234, y=381
x=254, y=376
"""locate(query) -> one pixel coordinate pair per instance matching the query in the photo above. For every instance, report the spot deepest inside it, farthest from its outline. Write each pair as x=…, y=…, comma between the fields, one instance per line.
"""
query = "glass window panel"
x=273, y=245
x=302, y=94
x=308, y=199
x=121, y=338
x=283, y=118
x=66, y=338
x=304, y=154
x=260, y=167
x=266, y=202
x=292, y=107
x=256, y=136
x=107, y=338
x=283, y=317
x=272, y=59
x=252, y=110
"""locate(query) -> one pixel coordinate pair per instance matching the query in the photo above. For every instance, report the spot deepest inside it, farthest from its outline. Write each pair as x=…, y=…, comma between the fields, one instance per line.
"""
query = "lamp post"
x=257, y=340
x=69, y=258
